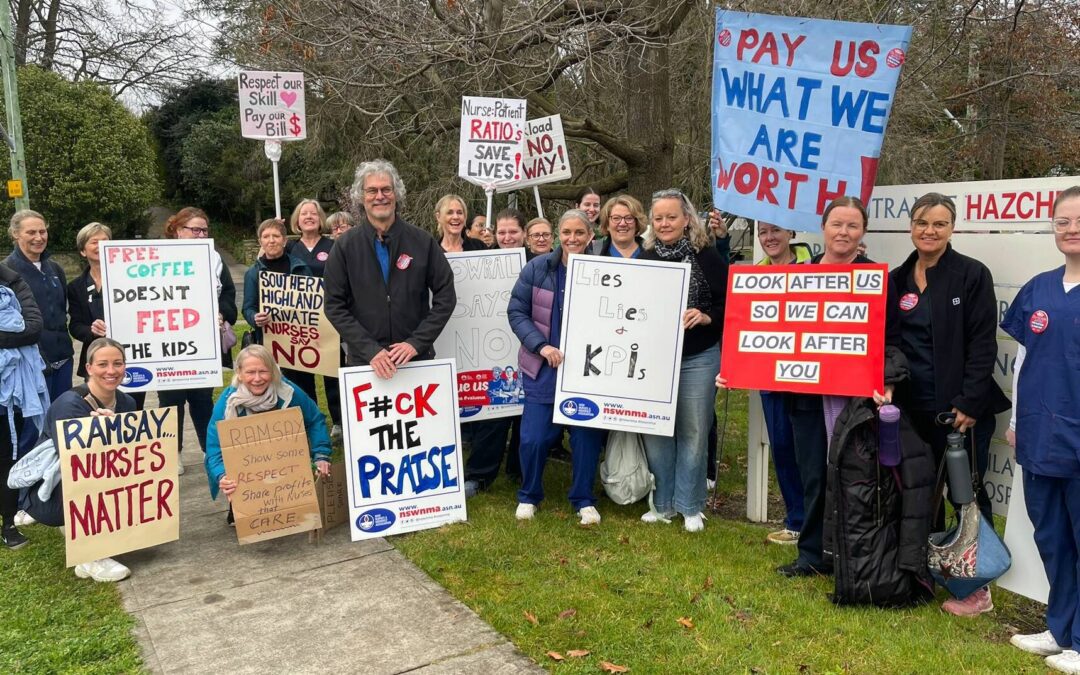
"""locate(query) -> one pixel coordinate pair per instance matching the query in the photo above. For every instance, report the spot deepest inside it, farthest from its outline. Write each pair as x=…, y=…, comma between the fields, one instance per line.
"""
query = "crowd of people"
x=389, y=291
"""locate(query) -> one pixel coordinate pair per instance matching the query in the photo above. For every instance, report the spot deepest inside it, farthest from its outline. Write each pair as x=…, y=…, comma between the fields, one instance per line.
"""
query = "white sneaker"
x=1067, y=661
x=525, y=511
x=180, y=470
x=22, y=519
x=1042, y=643
x=651, y=516
x=335, y=432
x=695, y=523
x=105, y=569
x=589, y=515
x=710, y=484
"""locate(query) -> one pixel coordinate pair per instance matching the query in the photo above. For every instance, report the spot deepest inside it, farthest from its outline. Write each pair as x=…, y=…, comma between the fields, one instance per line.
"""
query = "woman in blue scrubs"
x=1045, y=319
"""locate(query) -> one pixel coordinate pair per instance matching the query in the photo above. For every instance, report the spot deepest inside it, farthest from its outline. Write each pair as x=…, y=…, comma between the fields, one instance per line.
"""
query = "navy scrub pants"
x=538, y=434
x=1053, y=504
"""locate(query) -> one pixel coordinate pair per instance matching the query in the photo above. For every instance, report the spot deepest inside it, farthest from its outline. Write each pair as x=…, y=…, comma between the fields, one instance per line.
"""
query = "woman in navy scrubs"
x=1045, y=319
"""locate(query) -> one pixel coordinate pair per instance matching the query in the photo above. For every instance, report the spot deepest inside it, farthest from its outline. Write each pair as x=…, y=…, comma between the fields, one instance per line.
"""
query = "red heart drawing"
x=289, y=97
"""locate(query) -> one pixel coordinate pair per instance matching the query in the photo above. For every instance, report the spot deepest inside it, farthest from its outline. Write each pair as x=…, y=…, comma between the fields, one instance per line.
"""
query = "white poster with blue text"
x=622, y=341
x=478, y=335
x=799, y=109
x=402, y=448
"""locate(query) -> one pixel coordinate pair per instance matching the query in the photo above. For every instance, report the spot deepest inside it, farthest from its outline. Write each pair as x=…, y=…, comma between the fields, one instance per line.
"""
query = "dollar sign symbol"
x=295, y=121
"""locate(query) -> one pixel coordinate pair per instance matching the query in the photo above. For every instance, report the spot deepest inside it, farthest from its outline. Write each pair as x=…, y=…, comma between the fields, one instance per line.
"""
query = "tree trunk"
x=49, y=26
x=23, y=12
x=646, y=96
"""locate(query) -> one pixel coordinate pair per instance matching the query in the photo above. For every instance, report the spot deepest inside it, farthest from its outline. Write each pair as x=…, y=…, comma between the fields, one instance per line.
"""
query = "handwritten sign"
x=272, y=105
x=120, y=483
x=299, y=335
x=490, y=148
x=799, y=112
x=402, y=448
x=160, y=301
x=269, y=457
x=622, y=337
x=546, y=158
x=816, y=329
x=478, y=335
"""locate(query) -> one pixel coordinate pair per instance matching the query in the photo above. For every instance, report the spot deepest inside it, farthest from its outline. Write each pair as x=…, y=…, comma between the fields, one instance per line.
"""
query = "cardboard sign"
x=1027, y=576
x=299, y=336
x=120, y=483
x=814, y=329
x=490, y=148
x=272, y=105
x=546, y=159
x=402, y=448
x=622, y=340
x=269, y=458
x=478, y=336
x=799, y=112
x=333, y=494
x=160, y=301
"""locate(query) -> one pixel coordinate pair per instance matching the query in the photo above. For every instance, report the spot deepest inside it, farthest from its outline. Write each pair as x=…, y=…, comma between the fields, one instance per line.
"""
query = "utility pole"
x=11, y=105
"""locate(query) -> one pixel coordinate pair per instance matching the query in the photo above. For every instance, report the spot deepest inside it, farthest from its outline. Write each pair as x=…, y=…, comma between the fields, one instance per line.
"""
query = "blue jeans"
x=59, y=380
x=782, y=444
x=678, y=462
x=538, y=434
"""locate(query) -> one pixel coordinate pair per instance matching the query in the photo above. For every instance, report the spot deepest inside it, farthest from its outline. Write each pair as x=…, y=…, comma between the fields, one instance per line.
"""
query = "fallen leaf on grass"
x=742, y=616
x=567, y=613
x=624, y=539
x=648, y=624
x=563, y=561
x=531, y=618
x=708, y=583
x=578, y=653
x=730, y=601
x=697, y=596
x=723, y=467
x=556, y=656
x=609, y=667
x=685, y=622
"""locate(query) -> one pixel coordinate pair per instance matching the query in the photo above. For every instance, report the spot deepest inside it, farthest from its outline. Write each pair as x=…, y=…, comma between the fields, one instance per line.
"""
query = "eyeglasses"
x=540, y=235
x=197, y=231
x=340, y=228
x=375, y=192
x=1062, y=224
x=629, y=220
x=923, y=225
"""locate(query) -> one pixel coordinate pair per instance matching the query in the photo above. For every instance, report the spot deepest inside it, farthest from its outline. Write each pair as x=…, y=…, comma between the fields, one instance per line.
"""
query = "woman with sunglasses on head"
x=450, y=217
x=678, y=463
x=1045, y=430
x=313, y=248
x=948, y=331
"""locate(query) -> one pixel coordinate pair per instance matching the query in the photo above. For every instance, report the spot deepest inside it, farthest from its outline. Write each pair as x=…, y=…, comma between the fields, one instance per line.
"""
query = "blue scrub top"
x=1046, y=320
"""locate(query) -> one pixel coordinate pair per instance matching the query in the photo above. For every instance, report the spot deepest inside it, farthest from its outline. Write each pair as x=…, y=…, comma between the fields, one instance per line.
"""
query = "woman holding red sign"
x=947, y=314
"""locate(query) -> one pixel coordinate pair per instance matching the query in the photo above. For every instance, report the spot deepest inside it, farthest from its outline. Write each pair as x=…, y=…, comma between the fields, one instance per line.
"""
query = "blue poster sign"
x=799, y=109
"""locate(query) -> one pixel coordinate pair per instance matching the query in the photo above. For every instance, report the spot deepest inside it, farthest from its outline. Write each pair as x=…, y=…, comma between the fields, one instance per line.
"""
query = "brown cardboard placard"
x=333, y=496
x=121, y=491
x=269, y=457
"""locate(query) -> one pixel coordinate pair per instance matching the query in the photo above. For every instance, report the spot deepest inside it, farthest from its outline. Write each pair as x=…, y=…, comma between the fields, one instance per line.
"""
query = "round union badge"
x=908, y=302
x=321, y=256
x=1039, y=322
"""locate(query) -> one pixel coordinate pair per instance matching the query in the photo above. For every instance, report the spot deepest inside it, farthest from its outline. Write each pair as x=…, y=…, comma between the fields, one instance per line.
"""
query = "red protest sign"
x=813, y=329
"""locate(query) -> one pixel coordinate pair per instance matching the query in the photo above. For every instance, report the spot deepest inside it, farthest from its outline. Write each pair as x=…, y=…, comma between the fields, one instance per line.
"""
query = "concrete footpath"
x=205, y=603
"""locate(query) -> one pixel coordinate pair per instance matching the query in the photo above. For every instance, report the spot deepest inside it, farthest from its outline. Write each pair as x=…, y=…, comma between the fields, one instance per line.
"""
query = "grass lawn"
x=654, y=598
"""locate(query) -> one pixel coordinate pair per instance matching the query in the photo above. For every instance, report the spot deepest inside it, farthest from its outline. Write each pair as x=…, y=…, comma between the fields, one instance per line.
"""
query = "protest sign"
x=272, y=105
x=812, y=329
x=546, y=158
x=799, y=109
x=490, y=149
x=120, y=482
x=269, y=458
x=478, y=335
x=160, y=301
x=402, y=448
x=299, y=336
x=333, y=494
x=622, y=341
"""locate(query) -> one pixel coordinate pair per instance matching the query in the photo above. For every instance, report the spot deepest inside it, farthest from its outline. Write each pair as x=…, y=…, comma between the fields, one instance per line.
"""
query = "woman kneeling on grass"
x=100, y=396
x=257, y=387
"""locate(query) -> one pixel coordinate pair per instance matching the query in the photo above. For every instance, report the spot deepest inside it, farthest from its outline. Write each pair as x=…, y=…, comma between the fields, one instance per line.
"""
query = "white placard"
x=622, y=338
x=478, y=335
x=491, y=141
x=272, y=105
x=402, y=448
x=546, y=158
x=160, y=301
x=1027, y=576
